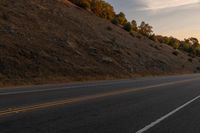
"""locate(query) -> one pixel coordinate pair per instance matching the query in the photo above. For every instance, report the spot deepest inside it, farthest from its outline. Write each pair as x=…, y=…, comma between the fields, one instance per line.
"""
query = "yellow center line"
x=83, y=98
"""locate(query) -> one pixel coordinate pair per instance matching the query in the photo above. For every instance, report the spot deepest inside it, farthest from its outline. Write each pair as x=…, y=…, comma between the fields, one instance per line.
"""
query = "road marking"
x=146, y=128
x=83, y=98
x=60, y=88
x=72, y=87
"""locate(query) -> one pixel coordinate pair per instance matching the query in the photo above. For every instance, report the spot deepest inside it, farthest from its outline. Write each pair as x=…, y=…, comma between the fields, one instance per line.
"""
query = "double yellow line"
x=28, y=108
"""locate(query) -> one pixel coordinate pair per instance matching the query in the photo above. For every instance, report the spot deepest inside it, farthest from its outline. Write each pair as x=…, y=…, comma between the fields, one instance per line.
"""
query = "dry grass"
x=44, y=41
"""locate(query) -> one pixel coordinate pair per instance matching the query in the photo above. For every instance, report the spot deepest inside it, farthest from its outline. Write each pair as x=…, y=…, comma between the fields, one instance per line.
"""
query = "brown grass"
x=43, y=41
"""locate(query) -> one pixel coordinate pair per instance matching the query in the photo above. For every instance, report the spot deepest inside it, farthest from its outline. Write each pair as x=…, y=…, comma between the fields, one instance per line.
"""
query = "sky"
x=178, y=18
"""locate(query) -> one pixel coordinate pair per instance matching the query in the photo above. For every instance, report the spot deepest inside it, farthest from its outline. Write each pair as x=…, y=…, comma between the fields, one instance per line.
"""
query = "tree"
x=193, y=41
x=102, y=9
x=153, y=38
x=145, y=29
x=184, y=45
x=120, y=18
x=134, y=25
x=194, y=47
x=99, y=7
x=175, y=43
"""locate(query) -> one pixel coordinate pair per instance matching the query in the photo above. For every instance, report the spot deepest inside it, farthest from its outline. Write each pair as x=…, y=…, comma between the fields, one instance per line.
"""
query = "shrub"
x=175, y=53
x=157, y=47
x=121, y=18
x=132, y=34
x=114, y=21
x=190, y=60
x=5, y=17
x=103, y=9
x=84, y=4
x=191, y=55
x=109, y=28
x=153, y=38
x=139, y=36
x=145, y=29
x=128, y=27
x=134, y=25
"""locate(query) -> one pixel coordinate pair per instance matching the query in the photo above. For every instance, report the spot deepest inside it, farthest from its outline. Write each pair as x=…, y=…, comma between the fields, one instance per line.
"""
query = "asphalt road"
x=168, y=104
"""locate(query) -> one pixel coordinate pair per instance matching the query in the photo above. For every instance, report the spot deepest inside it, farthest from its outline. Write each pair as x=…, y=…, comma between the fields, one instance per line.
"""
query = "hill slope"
x=53, y=40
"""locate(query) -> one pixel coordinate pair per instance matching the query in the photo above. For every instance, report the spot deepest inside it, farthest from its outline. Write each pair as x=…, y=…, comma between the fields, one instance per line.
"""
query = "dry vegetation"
x=44, y=41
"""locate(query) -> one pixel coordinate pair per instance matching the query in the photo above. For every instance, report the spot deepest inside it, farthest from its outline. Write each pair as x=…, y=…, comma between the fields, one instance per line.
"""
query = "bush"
x=145, y=29
x=121, y=18
x=132, y=34
x=5, y=17
x=190, y=60
x=153, y=38
x=139, y=36
x=84, y=4
x=191, y=55
x=157, y=47
x=175, y=53
x=109, y=28
x=114, y=21
x=128, y=27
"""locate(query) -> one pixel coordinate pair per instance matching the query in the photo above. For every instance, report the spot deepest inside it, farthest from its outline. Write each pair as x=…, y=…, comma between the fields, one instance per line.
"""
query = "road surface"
x=168, y=104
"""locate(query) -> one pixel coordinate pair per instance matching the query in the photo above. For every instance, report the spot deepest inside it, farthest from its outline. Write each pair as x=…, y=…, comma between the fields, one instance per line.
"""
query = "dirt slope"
x=53, y=40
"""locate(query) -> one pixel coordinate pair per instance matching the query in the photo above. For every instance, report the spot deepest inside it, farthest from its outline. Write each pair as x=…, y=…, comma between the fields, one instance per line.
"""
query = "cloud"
x=154, y=5
x=158, y=4
x=179, y=18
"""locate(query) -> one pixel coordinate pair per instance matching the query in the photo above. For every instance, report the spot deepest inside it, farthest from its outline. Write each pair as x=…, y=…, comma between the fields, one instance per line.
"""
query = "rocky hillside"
x=45, y=41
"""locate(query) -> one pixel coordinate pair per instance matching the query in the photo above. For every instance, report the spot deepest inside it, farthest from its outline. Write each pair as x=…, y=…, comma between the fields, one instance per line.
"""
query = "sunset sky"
x=179, y=18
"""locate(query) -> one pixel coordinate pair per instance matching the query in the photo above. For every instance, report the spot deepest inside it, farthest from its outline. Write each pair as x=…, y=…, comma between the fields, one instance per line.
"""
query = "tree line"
x=105, y=10
x=190, y=45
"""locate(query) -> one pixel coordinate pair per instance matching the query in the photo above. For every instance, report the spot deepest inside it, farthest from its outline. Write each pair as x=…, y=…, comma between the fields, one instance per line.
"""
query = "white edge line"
x=84, y=86
x=44, y=90
x=60, y=88
x=166, y=116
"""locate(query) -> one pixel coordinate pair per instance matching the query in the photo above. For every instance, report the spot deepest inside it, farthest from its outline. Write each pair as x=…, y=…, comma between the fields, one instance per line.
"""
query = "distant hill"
x=43, y=41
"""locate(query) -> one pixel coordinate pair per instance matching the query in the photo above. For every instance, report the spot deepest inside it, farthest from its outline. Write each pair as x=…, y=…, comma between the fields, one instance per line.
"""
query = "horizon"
x=177, y=18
